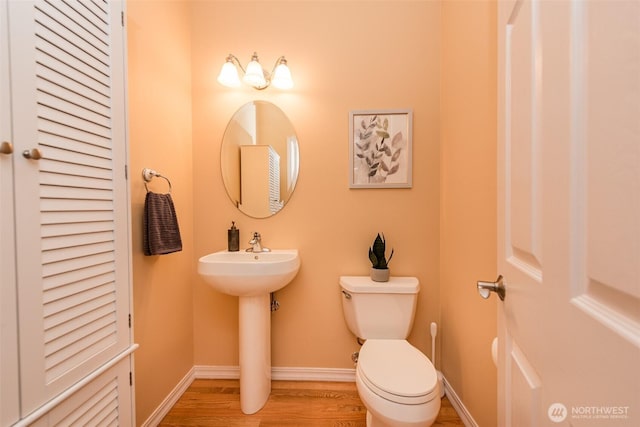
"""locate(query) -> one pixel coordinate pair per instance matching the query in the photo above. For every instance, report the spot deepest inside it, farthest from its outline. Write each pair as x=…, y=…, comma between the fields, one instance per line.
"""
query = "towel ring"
x=149, y=174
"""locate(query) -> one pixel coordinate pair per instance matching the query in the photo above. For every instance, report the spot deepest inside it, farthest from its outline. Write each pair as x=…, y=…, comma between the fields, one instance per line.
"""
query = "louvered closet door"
x=72, y=204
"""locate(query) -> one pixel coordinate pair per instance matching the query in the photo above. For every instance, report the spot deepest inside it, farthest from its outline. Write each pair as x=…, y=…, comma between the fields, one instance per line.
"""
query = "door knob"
x=33, y=154
x=485, y=288
x=6, y=147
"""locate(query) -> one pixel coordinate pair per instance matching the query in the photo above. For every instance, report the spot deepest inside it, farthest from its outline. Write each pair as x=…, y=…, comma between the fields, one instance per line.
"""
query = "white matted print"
x=380, y=149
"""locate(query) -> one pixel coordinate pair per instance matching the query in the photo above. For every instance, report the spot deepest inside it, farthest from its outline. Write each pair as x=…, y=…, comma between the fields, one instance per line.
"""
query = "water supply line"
x=275, y=305
x=434, y=332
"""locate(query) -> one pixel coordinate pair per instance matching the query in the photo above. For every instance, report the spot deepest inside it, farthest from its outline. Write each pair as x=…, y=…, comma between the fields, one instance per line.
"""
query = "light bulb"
x=282, y=76
x=229, y=75
x=254, y=75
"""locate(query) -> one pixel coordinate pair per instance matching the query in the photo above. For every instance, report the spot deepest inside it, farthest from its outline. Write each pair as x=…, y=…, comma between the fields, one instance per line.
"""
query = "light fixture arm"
x=278, y=61
x=269, y=75
x=232, y=58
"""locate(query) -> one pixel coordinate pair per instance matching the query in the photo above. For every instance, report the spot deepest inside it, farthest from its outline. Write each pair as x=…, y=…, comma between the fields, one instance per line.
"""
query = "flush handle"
x=346, y=294
x=485, y=288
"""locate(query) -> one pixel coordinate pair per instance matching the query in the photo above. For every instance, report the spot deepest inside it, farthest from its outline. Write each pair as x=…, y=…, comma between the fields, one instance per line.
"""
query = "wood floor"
x=292, y=403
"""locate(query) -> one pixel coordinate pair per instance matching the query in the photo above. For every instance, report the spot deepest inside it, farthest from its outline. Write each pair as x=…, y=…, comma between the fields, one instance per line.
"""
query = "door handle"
x=485, y=288
x=6, y=147
x=33, y=154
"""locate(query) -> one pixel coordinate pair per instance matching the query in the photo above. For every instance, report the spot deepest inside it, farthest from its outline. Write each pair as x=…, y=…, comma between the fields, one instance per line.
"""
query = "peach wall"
x=468, y=202
x=159, y=67
x=343, y=56
x=436, y=58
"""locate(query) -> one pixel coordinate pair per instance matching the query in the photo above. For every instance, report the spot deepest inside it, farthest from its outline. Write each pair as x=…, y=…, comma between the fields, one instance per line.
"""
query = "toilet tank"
x=379, y=310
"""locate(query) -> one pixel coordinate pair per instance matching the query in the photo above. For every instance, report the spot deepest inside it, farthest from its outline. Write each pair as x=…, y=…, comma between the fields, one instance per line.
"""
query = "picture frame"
x=380, y=148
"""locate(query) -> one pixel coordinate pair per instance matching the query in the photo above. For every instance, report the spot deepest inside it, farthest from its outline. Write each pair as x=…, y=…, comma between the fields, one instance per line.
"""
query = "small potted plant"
x=380, y=264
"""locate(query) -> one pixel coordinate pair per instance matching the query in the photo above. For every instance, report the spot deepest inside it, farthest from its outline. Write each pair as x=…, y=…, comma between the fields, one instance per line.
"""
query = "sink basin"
x=249, y=274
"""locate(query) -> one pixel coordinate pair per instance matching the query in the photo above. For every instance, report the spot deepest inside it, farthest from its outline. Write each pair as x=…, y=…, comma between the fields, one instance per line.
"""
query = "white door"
x=70, y=192
x=569, y=213
x=9, y=404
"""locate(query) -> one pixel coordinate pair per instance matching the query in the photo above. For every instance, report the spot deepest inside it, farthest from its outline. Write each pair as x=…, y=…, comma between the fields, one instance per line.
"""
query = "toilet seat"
x=397, y=371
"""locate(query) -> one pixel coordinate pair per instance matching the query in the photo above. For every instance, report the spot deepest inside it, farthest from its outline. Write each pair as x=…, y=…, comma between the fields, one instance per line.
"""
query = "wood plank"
x=291, y=403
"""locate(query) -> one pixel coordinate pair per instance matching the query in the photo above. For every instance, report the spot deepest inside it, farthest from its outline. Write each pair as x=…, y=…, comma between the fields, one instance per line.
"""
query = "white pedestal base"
x=255, y=352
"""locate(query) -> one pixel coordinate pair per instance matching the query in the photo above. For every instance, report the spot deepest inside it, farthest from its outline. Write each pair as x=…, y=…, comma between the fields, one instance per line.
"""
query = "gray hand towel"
x=161, y=234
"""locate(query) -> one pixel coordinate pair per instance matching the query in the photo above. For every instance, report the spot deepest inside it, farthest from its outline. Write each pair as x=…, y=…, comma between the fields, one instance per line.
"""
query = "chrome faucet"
x=256, y=244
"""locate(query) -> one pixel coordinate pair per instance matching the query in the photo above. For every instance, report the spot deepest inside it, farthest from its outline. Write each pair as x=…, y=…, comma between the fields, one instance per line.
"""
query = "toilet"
x=397, y=383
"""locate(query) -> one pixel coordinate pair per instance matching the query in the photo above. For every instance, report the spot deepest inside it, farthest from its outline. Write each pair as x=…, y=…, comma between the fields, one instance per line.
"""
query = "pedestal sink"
x=252, y=277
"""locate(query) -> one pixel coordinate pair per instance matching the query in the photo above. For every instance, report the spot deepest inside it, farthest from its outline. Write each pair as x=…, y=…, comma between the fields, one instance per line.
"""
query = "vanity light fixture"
x=255, y=75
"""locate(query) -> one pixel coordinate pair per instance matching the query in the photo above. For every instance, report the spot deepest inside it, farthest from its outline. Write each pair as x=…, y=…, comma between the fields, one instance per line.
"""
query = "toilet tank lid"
x=395, y=285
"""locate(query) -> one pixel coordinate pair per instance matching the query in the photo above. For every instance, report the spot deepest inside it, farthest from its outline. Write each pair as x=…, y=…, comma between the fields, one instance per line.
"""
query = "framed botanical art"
x=380, y=149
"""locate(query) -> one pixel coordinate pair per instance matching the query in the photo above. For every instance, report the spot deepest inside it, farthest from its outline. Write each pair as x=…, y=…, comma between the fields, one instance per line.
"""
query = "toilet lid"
x=397, y=371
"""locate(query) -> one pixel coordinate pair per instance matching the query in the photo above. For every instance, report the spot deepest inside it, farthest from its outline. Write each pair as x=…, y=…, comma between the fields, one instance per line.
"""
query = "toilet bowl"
x=396, y=382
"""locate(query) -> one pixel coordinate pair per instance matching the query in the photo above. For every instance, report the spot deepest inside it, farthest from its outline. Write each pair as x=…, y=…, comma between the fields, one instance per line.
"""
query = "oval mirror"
x=259, y=159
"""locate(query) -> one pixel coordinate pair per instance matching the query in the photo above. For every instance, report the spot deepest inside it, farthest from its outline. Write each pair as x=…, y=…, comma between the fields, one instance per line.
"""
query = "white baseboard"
x=216, y=372
x=314, y=374
x=166, y=405
x=463, y=413
x=279, y=374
